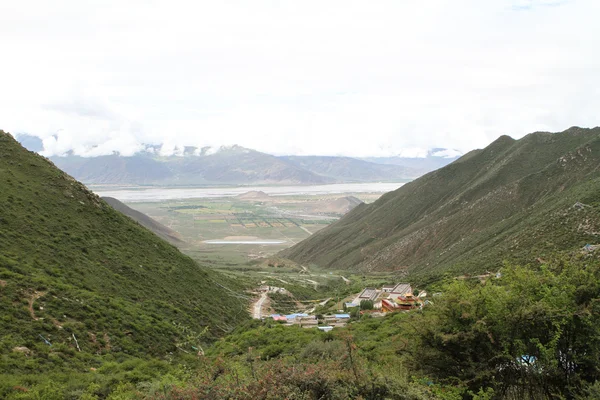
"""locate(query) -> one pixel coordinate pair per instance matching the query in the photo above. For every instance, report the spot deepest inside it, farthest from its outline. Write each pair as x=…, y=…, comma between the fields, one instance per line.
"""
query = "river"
x=161, y=194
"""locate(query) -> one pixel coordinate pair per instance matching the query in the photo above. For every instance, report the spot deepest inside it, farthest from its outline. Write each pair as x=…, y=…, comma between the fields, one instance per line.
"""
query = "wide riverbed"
x=160, y=194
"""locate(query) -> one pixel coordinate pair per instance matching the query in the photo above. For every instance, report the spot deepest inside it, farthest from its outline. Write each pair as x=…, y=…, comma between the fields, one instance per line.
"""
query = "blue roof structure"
x=293, y=316
x=342, y=316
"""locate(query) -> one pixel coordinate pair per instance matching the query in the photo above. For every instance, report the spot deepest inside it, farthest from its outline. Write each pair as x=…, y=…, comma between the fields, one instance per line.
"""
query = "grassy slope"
x=510, y=200
x=95, y=272
x=159, y=229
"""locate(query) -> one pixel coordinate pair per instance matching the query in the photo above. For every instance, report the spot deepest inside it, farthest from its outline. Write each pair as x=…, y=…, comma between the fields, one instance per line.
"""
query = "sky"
x=324, y=77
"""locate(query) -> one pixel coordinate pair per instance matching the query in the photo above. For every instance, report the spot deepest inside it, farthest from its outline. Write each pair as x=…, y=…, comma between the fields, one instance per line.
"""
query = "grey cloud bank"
x=352, y=78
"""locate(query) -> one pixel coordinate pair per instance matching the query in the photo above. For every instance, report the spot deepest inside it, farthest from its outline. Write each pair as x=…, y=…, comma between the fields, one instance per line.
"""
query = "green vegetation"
x=160, y=230
x=98, y=287
x=515, y=200
x=533, y=333
x=93, y=306
x=366, y=304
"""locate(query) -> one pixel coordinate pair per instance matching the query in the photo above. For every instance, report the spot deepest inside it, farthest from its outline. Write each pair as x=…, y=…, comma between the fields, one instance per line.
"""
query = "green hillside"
x=516, y=199
x=159, y=229
x=73, y=267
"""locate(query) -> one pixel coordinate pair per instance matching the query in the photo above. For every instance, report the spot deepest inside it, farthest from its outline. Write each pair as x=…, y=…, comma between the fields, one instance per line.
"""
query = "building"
x=325, y=328
x=387, y=288
x=388, y=306
x=400, y=290
x=337, y=320
x=367, y=294
x=407, y=302
x=307, y=322
x=292, y=317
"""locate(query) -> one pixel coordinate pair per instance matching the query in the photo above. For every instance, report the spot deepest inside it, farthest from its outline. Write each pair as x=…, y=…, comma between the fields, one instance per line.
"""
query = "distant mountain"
x=142, y=169
x=239, y=165
x=435, y=158
x=514, y=200
x=234, y=165
x=79, y=275
x=159, y=229
x=31, y=143
x=347, y=169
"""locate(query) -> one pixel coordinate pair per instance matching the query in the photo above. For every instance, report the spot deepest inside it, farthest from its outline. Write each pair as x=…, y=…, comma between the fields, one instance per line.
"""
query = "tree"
x=366, y=304
x=530, y=333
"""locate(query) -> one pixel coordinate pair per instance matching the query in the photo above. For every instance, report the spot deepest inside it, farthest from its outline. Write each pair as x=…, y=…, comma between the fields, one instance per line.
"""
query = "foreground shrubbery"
x=532, y=334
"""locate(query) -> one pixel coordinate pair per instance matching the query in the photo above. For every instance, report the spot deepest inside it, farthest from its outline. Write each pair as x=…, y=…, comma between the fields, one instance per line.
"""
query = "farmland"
x=283, y=220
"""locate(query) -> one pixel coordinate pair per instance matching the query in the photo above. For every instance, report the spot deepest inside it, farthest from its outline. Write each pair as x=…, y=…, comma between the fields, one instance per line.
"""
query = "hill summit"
x=513, y=200
x=254, y=195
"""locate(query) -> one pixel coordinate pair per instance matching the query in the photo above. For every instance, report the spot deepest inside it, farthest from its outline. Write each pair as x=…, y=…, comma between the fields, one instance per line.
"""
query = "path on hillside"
x=345, y=280
x=314, y=283
x=258, y=306
x=324, y=302
x=32, y=299
x=312, y=310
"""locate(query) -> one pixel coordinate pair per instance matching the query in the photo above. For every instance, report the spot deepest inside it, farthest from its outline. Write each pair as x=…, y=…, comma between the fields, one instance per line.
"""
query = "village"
x=376, y=302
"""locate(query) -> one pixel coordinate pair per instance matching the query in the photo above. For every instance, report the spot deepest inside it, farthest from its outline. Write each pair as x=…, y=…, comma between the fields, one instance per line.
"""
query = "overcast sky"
x=358, y=78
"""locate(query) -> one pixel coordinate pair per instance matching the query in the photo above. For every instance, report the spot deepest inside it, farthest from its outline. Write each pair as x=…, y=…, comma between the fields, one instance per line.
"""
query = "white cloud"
x=413, y=152
x=306, y=77
x=446, y=153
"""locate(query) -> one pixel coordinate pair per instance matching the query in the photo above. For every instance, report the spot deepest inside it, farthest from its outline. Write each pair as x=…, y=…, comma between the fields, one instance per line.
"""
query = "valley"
x=237, y=225
x=240, y=233
x=300, y=200
x=306, y=292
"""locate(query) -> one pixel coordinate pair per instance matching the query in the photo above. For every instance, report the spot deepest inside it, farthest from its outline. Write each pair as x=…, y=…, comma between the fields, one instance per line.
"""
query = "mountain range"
x=236, y=165
x=515, y=200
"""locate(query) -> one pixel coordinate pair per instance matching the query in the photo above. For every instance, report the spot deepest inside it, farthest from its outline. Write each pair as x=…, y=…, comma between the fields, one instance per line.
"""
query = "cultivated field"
x=283, y=219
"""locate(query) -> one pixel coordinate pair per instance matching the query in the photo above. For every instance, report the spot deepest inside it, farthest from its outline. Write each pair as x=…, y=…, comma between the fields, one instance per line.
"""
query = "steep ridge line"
x=508, y=201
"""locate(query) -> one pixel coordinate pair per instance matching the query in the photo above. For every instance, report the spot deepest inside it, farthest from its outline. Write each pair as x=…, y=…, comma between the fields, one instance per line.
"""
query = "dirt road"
x=256, y=314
